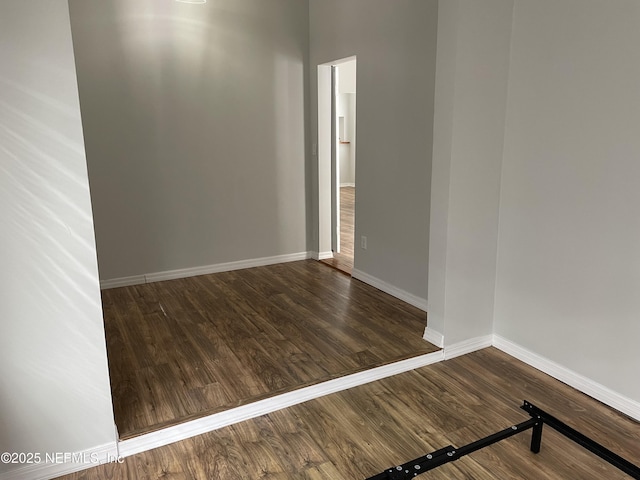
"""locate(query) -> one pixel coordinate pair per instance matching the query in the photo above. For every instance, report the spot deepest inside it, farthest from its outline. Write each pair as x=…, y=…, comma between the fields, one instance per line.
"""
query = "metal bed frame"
x=538, y=419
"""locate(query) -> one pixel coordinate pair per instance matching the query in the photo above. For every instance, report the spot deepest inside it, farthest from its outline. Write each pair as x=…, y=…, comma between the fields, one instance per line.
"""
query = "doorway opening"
x=337, y=162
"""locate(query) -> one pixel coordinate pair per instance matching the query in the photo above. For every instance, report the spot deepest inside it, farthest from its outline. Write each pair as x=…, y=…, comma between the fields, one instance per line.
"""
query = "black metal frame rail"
x=538, y=419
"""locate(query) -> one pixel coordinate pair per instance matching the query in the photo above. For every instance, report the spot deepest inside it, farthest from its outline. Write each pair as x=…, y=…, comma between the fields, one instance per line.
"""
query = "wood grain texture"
x=359, y=432
x=186, y=348
x=343, y=261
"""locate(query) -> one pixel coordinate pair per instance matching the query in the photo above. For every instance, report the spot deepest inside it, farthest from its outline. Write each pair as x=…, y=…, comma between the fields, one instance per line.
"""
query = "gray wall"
x=54, y=384
x=194, y=120
x=569, y=256
x=395, y=45
x=534, y=232
x=471, y=95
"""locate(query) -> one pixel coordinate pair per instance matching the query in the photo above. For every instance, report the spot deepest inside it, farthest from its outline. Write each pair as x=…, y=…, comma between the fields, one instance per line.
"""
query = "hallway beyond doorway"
x=343, y=261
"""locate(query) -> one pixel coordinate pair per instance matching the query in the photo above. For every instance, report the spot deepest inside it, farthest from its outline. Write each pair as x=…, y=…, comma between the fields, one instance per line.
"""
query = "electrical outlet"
x=363, y=242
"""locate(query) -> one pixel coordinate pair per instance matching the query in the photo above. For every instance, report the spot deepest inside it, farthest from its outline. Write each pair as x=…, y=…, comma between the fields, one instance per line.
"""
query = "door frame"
x=328, y=186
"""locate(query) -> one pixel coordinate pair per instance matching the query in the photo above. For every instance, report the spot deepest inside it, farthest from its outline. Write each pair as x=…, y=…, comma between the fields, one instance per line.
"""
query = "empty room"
x=169, y=181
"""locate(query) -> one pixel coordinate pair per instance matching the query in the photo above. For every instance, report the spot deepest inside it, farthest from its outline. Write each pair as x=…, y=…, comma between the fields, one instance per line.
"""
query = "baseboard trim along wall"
x=585, y=385
x=467, y=346
x=411, y=299
x=433, y=337
x=204, y=270
x=321, y=255
x=122, y=282
x=268, y=405
x=57, y=464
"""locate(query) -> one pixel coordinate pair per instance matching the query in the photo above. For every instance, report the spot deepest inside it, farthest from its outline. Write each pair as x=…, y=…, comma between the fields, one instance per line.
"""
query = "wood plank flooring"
x=359, y=432
x=343, y=261
x=186, y=348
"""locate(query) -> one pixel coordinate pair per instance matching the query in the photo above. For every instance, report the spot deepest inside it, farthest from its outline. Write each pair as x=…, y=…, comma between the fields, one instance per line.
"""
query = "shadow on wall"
x=52, y=359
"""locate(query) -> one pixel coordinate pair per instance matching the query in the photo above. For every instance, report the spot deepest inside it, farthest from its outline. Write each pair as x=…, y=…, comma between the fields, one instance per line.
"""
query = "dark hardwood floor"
x=186, y=348
x=343, y=261
x=359, y=432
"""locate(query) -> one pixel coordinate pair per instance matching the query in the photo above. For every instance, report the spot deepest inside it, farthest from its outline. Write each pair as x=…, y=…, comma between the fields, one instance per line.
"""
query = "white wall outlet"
x=363, y=242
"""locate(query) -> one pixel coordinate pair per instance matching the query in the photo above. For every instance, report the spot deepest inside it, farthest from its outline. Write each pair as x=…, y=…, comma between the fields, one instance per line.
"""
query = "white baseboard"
x=411, y=299
x=348, y=184
x=467, y=346
x=321, y=255
x=122, y=282
x=433, y=337
x=585, y=385
x=263, y=407
x=45, y=471
x=204, y=270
